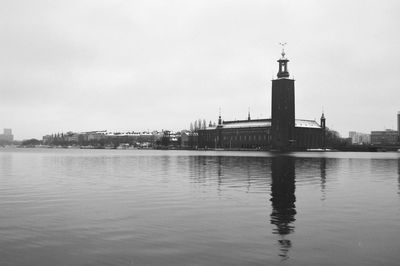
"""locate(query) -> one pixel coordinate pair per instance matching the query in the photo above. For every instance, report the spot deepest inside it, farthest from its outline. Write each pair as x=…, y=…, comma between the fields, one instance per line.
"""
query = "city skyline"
x=123, y=66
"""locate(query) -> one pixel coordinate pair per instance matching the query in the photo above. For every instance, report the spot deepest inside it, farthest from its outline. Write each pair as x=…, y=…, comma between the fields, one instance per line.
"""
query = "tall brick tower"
x=283, y=110
x=398, y=126
x=323, y=132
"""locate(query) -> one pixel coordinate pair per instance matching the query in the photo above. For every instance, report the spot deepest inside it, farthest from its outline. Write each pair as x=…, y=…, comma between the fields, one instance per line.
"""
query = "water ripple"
x=94, y=207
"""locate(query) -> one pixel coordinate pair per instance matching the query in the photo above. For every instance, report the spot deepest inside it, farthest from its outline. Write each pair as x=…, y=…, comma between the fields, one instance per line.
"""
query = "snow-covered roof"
x=243, y=124
x=306, y=123
x=250, y=123
x=264, y=123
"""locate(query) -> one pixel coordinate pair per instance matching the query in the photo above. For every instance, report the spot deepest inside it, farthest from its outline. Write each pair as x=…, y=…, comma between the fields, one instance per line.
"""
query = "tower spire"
x=283, y=49
x=248, y=114
x=283, y=69
x=323, y=127
x=219, y=118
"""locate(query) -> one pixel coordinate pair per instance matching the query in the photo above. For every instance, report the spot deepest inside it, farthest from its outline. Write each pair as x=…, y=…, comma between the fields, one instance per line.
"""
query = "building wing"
x=306, y=123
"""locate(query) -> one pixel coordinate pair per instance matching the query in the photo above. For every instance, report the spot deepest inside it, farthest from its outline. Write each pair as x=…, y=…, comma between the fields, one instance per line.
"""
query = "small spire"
x=283, y=48
x=323, y=120
x=248, y=114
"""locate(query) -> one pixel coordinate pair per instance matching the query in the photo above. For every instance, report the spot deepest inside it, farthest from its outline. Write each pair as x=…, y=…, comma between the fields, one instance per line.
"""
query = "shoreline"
x=341, y=149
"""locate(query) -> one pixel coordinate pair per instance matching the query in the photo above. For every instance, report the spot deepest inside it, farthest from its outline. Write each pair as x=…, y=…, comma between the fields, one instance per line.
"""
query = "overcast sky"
x=147, y=65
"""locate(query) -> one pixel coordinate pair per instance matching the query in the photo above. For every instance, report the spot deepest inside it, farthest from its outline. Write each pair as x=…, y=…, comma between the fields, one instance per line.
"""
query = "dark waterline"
x=110, y=207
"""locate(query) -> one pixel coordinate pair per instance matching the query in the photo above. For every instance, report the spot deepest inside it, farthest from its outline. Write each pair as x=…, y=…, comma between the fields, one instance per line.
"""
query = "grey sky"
x=138, y=65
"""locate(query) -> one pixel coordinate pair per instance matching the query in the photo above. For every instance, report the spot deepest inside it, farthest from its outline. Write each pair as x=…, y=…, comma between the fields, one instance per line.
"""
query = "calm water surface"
x=110, y=207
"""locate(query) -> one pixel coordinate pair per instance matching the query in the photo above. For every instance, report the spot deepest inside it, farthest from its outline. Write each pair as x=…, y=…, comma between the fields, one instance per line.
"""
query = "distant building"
x=47, y=139
x=281, y=132
x=101, y=138
x=359, y=138
x=171, y=139
x=93, y=135
x=387, y=137
x=398, y=125
x=188, y=139
x=71, y=137
x=7, y=135
x=8, y=131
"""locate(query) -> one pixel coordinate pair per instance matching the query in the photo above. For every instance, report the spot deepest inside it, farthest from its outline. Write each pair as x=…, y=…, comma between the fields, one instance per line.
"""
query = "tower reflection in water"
x=398, y=173
x=283, y=200
x=322, y=167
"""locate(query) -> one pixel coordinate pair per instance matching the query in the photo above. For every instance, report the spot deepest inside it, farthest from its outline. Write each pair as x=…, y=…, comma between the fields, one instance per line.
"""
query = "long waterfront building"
x=281, y=132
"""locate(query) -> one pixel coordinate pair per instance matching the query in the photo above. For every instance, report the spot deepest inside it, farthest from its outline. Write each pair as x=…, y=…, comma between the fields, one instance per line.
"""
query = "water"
x=110, y=207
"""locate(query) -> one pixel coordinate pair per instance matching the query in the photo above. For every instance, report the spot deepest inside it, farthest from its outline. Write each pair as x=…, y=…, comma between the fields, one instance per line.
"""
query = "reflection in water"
x=323, y=177
x=5, y=164
x=283, y=199
x=240, y=173
x=398, y=173
x=219, y=175
x=102, y=207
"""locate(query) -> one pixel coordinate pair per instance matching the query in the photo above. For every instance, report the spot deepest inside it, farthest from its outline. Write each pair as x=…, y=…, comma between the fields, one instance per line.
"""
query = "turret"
x=219, y=118
x=283, y=71
x=323, y=129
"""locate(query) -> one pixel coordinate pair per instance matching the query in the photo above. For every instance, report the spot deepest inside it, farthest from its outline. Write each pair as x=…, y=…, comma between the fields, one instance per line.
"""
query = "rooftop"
x=264, y=123
x=306, y=123
x=248, y=123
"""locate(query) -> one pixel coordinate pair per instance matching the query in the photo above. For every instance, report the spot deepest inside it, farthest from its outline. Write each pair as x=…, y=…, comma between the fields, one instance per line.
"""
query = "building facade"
x=281, y=132
x=7, y=136
x=359, y=138
x=398, y=125
x=387, y=137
